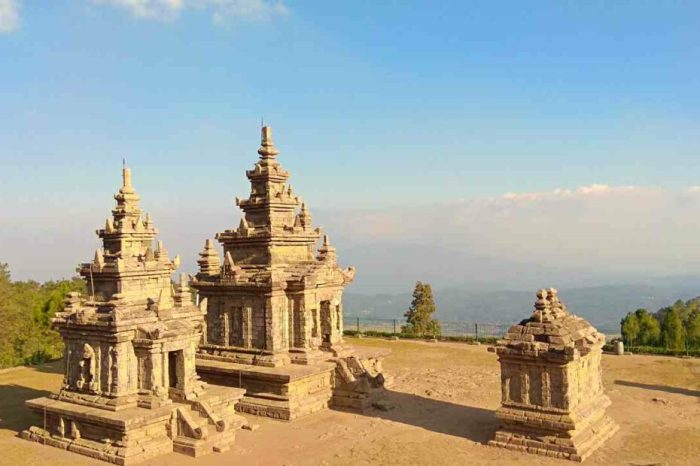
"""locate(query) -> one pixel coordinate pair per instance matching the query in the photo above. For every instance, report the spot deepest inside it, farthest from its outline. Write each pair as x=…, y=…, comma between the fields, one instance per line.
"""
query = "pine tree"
x=419, y=318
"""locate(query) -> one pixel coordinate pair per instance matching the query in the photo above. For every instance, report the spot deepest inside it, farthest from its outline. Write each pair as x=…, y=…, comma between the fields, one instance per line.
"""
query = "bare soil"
x=439, y=410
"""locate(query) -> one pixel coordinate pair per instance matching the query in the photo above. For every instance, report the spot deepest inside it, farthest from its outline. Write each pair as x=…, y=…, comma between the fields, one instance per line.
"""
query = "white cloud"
x=157, y=9
x=221, y=10
x=9, y=16
x=580, y=192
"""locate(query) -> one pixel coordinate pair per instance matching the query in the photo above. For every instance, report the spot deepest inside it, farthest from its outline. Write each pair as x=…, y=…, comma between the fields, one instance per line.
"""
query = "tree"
x=649, y=328
x=9, y=315
x=26, y=310
x=674, y=337
x=630, y=329
x=419, y=318
x=692, y=329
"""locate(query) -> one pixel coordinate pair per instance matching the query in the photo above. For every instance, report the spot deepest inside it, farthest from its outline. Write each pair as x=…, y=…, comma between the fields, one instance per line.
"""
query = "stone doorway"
x=175, y=369
x=326, y=321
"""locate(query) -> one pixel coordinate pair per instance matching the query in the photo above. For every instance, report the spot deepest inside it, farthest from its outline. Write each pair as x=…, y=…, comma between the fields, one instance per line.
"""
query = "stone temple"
x=130, y=390
x=553, y=402
x=275, y=312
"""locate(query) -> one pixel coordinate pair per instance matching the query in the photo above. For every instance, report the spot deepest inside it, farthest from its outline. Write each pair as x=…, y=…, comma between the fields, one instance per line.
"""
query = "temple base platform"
x=554, y=435
x=350, y=382
x=129, y=436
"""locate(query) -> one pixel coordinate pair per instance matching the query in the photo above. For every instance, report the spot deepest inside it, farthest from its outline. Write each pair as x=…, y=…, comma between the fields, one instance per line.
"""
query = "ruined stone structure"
x=553, y=402
x=130, y=390
x=275, y=316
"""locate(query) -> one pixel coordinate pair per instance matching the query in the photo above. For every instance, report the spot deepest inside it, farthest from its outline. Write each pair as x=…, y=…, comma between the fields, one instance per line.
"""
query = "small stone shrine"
x=130, y=390
x=553, y=402
x=275, y=315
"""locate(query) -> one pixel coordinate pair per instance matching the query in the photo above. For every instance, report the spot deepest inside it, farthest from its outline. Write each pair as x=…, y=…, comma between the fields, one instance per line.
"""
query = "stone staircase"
x=207, y=424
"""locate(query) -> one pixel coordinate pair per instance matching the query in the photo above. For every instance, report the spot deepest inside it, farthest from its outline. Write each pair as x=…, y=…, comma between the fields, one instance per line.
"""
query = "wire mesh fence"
x=474, y=330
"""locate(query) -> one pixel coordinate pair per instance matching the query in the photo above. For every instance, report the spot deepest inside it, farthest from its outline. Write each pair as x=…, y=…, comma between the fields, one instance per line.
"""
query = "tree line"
x=26, y=310
x=675, y=327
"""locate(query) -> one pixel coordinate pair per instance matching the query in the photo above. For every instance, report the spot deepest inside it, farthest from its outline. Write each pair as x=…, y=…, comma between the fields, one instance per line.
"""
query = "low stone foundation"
x=283, y=393
x=295, y=390
x=561, y=436
x=135, y=434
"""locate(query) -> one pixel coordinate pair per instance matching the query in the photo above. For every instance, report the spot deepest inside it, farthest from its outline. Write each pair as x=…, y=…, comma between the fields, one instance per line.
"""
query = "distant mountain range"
x=603, y=306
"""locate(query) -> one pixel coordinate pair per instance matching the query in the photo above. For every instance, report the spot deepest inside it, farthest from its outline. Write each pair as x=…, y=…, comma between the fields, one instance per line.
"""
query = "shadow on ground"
x=53, y=367
x=13, y=414
x=476, y=424
x=661, y=388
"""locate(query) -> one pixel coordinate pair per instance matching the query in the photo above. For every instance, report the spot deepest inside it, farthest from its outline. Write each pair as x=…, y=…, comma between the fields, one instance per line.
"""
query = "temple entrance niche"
x=86, y=379
x=296, y=323
x=176, y=369
x=326, y=321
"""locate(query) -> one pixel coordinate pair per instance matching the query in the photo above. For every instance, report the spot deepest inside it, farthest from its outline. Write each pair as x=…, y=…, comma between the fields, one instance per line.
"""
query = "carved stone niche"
x=87, y=370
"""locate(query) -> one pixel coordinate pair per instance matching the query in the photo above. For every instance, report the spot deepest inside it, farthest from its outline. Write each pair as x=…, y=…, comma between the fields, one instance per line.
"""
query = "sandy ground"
x=438, y=411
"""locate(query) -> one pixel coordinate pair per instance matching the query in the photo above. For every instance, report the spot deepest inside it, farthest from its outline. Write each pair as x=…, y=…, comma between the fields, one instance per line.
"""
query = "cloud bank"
x=584, y=236
x=9, y=16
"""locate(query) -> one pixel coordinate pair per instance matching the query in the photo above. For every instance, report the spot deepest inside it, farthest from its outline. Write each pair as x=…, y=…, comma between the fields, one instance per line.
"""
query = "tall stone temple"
x=553, y=403
x=130, y=391
x=275, y=313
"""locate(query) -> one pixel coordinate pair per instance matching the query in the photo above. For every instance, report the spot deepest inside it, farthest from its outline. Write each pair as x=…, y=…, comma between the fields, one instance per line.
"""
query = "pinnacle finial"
x=127, y=187
x=267, y=147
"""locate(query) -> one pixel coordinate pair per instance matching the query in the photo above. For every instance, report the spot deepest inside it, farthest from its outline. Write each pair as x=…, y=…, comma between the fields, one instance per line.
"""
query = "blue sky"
x=374, y=104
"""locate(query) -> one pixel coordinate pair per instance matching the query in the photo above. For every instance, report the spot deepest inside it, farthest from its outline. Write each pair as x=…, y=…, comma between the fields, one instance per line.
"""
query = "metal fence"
x=448, y=328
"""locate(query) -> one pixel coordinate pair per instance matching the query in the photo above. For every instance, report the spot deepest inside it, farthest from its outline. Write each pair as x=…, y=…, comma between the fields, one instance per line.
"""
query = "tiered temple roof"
x=551, y=328
x=275, y=239
x=128, y=267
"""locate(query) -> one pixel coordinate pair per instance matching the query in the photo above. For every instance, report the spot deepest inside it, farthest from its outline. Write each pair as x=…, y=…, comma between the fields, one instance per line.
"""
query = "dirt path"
x=438, y=411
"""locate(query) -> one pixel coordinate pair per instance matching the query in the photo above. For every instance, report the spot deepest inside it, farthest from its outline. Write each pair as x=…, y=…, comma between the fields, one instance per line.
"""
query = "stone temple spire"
x=327, y=252
x=209, y=264
x=127, y=199
x=267, y=148
x=128, y=258
x=270, y=231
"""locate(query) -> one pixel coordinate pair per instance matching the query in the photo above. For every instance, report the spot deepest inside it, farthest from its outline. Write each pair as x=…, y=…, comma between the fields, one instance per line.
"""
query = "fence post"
x=358, y=325
x=476, y=331
x=394, y=326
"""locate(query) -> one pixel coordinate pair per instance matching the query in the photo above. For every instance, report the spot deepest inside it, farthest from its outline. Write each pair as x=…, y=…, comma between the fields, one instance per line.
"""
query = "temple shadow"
x=661, y=388
x=13, y=414
x=476, y=424
x=52, y=367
